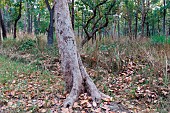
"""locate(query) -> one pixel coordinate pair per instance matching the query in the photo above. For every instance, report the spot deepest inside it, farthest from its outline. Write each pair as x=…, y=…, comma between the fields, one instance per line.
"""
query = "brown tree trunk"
x=29, y=19
x=2, y=26
x=130, y=27
x=16, y=21
x=164, y=18
x=76, y=77
x=72, y=14
x=143, y=18
x=51, y=25
x=118, y=27
x=82, y=24
x=0, y=37
x=136, y=24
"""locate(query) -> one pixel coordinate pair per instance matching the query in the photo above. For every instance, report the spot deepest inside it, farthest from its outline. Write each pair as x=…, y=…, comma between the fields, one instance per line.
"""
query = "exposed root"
x=73, y=96
x=91, y=87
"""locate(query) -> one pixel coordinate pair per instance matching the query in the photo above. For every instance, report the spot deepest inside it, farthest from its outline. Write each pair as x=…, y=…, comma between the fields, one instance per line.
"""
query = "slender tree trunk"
x=125, y=28
x=164, y=17
x=29, y=19
x=158, y=26
x=153, y=27
x=78, y=31
x=72, y=13
x=50, y=29
x=25, y=24
x=130, y=28
x=16, y=21
x=169, y=28
x=35, y=24
x=38, y=23
x=82, y=23
x=143, y=18
x=147, y=29
x=0, y=36
x=2, y=26
x=76, y=77
x=118, y=27
x=114, y=31
x=136, y=24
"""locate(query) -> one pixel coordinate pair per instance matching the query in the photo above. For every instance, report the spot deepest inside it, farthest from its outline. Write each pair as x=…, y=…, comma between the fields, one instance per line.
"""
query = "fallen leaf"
x=94, y=104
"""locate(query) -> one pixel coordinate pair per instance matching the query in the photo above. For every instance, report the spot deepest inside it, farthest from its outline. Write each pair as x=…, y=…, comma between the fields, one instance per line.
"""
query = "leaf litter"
x=38, y=92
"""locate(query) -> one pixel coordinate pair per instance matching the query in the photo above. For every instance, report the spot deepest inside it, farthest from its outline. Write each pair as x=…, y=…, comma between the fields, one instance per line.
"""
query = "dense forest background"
x=124, y=46
x=108, y=18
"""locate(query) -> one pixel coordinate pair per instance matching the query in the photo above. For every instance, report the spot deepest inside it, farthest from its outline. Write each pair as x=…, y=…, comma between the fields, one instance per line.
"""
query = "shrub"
x=27, y=45
x=160, y=40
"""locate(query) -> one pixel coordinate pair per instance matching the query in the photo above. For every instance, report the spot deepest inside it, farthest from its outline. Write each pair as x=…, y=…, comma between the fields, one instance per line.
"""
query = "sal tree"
x=76, y=78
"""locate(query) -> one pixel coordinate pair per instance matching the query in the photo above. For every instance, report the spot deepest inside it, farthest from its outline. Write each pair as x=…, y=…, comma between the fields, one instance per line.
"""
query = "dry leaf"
x=94, y=104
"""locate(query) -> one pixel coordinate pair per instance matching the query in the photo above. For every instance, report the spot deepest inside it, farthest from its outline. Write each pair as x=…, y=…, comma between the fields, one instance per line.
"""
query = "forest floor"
x=135, y=75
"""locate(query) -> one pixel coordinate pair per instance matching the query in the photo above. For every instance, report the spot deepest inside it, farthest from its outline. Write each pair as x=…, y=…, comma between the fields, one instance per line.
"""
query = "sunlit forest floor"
x=136, y=74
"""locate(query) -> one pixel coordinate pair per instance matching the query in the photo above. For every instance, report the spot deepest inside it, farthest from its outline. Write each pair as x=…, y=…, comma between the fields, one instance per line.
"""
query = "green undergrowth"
x=10, y=70
x=23, y=88
x=35, y=46
x=160, y=40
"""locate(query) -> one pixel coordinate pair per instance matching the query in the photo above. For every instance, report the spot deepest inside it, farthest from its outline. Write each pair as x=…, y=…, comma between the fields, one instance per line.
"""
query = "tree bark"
x=0, y=37
x=29, y=19
x=164, y=17
x=2, y=26
x=16, y=21
x=50, y=29
x=118, y=27
x=136, y=24
x=143, y=18
x=147, y=29
x=158, y=26
x=72, y=14
x=76, y=77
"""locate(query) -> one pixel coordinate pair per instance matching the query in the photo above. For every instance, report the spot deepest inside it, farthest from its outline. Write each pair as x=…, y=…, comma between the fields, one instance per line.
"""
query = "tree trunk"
x=2, y=26
x=82, y=24
x=25, y=24
x=118, y=27
x=29, y=19
x=16, y=21
x=38, y=23
x=72, y=14
x=136, y=24
x=164, y=16
x=153, y=28
x=158, y=26
x=147, y=29
x=143, y=18
x=76, y=77
x=130, y=27
x=114, y=31
x=0, y=37
x=50, y=29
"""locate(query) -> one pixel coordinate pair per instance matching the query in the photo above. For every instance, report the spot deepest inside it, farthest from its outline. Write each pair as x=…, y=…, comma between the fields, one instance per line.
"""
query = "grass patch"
x=26, y=88
x=160, y=40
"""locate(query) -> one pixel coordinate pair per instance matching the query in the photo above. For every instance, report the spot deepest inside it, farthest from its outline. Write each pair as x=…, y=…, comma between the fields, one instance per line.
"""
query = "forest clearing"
x=96, y=56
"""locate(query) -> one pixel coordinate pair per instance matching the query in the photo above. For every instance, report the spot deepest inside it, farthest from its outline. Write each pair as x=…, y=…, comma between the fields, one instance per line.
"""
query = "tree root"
x=79, y=85
x=71, y=98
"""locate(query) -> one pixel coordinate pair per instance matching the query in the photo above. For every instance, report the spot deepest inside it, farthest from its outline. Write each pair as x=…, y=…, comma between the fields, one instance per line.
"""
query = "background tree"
x=97, y=25
x=18, y=17
x=50, y=29
x=4, y=35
